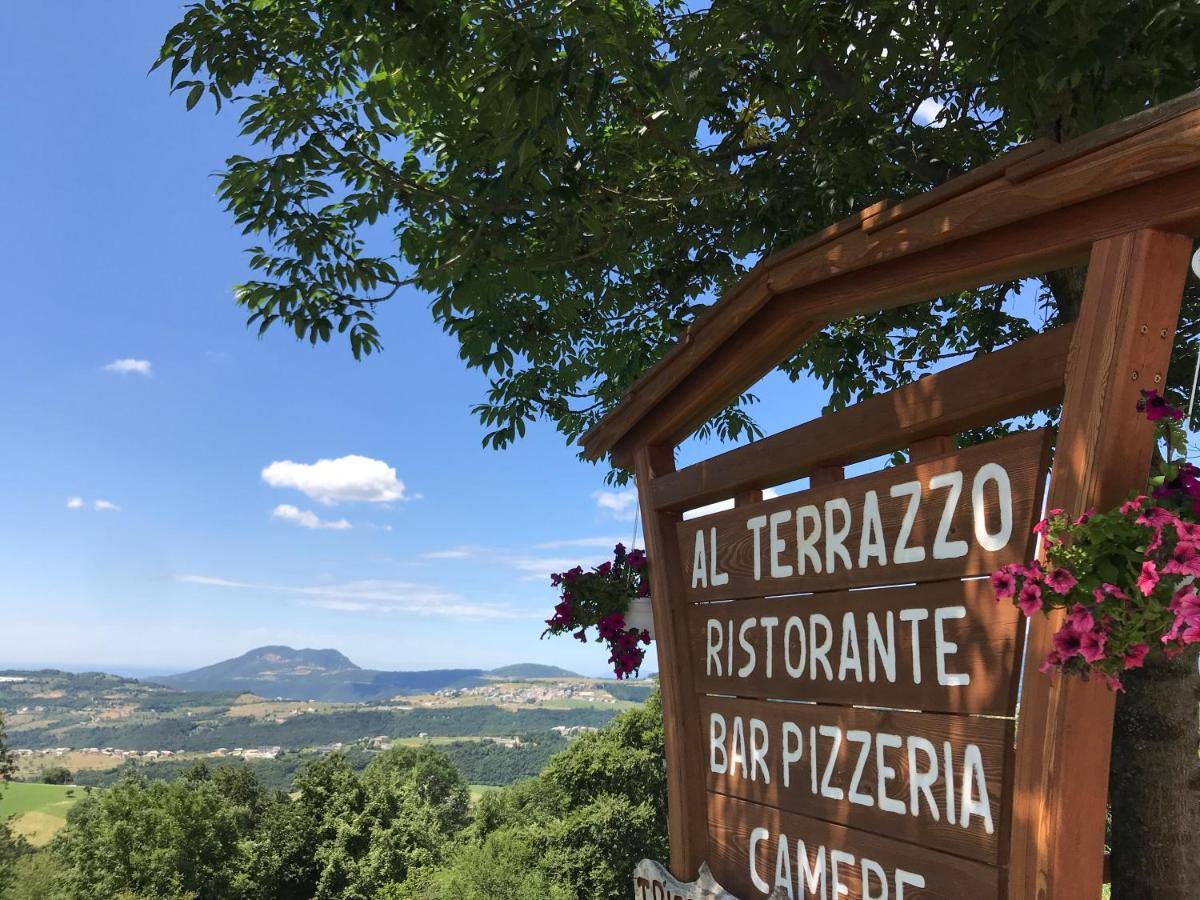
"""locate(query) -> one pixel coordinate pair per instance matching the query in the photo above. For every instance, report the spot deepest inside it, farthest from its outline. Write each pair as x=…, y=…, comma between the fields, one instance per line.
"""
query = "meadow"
x=36, y=812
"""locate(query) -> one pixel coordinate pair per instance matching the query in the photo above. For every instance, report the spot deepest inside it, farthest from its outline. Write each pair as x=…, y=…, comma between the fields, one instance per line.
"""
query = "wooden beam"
x=687, y=813
x=967, y=182
x=1056, y=239
x=946, y=402
x=1023, y=170
x=1164, y=149
x=1122, y=341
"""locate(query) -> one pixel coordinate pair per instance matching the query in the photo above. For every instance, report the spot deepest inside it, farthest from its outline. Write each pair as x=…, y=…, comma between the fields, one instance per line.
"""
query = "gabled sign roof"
x=1037, y=208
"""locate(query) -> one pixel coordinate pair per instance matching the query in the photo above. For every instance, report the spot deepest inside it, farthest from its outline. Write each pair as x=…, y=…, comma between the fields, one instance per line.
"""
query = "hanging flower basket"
x=1125, y=577
x=614, y=599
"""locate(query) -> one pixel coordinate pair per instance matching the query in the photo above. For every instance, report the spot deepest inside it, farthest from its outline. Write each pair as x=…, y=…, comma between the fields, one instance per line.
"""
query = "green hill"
x=532, y=670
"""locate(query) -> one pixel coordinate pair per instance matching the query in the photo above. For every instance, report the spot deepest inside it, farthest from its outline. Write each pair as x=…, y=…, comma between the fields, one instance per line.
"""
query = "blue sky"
x=116, y=249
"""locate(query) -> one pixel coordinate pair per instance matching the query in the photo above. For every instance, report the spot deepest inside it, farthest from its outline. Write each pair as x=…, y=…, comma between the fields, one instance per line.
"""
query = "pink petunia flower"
x=1091, y=645
x=1148, y=580
x=1060, y=581
x=1135, y=656
x=1030, y=600
x=1004, y=584
x=1112, y=590
x=1134, y=505
x=1081, y=619
x=1067, y=641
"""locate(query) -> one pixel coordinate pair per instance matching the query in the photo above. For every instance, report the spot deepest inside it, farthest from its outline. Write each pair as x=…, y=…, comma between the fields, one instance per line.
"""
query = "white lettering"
x=886, y=773
x=757, y=524
x=942, y=548
x=699, y=563
x=751, y=655
x=779, y=569
x=806, y=541
x=902, y=552
x=872, y=544
x=716, y=744
x=835, y=539
x=946, y=648
x=864, y=753
x=849, y=655
x=997, y=473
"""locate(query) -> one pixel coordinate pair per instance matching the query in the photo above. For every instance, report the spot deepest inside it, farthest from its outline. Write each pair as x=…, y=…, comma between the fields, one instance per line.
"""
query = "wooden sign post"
x=840, y=689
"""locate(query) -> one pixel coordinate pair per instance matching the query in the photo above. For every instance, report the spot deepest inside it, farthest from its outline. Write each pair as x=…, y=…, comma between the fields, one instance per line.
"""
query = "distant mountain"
x=532, y=670
x=314, y=675
x=308, y=674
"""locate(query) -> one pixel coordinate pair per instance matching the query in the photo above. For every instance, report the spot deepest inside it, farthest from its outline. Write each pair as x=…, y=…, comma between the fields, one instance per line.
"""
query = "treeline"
x=312, y=729
x=402, y=829
x=480, y=762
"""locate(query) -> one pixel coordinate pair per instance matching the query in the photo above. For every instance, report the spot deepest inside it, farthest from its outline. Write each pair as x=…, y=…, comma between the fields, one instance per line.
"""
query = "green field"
x=37, y=811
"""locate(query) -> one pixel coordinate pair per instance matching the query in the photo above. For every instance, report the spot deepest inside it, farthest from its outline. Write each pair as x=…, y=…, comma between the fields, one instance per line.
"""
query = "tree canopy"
x=402, y=829
x=574, y=182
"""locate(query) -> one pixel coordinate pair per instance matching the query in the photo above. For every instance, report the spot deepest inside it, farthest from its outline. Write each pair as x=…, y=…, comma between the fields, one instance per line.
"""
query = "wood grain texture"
x=945, y=877
x=847, y=763
x=686, y=811
x=1022, y=170
x=1123, y=340
x=1159, y=151
x=960, y=185
x=988, y=640
x=755, y=550
x=945, y=403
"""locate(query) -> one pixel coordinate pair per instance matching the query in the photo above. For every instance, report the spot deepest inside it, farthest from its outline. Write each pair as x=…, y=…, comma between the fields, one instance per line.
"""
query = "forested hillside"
x=401, y=829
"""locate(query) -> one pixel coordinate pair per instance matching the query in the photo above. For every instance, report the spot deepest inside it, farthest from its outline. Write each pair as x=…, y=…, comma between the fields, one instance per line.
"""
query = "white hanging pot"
x=640, y=615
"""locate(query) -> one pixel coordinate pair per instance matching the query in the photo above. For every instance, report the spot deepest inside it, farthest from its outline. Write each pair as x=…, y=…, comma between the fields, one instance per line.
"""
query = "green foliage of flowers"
x=1125, y=576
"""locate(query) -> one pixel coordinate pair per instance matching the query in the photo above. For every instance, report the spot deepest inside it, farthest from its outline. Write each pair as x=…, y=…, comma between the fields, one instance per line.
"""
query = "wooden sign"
x=839, y=696
x=944, y=647
x=960, y=515
x=935, y=780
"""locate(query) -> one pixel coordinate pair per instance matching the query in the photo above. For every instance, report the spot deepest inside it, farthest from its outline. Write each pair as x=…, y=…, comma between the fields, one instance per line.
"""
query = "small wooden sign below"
x=652, y=881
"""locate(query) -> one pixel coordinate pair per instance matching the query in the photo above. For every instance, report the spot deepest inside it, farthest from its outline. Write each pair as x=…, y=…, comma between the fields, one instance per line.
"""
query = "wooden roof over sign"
x=1038, y=208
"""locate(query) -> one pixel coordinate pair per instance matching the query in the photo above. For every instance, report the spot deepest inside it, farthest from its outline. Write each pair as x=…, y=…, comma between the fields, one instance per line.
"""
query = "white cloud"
x=98, y=505
x=621, y=505
x=341, y=480
x=377, y=596
x=927, y=112
x=128, y=366
x=452, y=553
x=307, y=518
x=722, y=505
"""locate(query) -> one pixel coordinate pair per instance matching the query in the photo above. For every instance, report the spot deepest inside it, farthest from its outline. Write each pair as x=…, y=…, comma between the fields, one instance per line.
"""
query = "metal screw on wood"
x=1133, y=376
x=1157, y=379
x=1163, y=334
x=1143, y=330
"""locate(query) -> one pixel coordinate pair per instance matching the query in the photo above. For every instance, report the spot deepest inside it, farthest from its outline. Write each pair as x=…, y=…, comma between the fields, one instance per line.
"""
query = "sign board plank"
x=752, y=848
x=945, y=646
x=961, y=515
x=934, y=780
